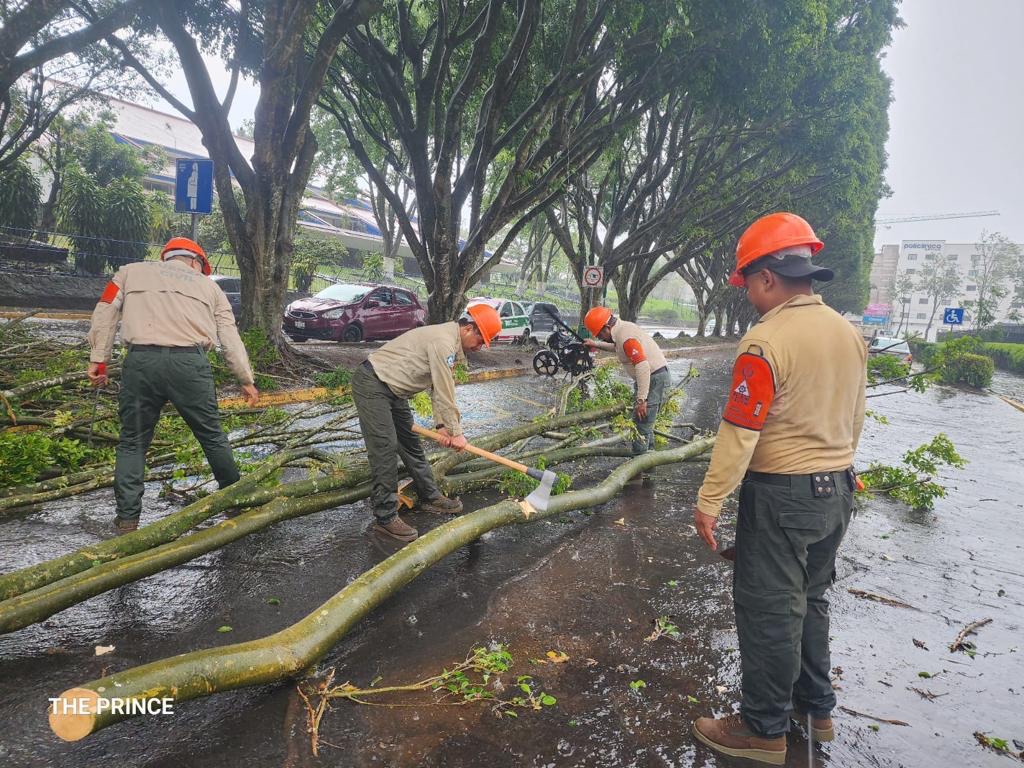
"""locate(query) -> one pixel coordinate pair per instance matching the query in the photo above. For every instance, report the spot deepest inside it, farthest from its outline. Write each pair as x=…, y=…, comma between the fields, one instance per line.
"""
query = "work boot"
x=442, y=505
x=396, y=528
x=732, y=736
x=126, y=524
x=821, y=727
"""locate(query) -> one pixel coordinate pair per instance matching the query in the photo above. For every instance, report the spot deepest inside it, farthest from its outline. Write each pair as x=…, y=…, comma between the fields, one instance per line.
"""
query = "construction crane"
x=886, y=221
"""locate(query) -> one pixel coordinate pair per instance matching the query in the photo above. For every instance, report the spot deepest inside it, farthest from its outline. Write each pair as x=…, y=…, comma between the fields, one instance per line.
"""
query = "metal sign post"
x=953, y=316
x=593, y=278
x=193, y=189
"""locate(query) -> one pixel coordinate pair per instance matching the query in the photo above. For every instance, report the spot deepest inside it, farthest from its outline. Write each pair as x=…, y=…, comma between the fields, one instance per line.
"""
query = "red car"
x=347, y=312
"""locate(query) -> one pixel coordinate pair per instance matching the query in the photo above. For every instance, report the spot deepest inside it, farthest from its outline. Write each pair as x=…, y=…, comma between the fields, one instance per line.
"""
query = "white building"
x=913, y=310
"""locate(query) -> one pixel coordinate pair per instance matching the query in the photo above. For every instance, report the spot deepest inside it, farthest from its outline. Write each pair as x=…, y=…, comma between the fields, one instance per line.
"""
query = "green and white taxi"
x=515, y=323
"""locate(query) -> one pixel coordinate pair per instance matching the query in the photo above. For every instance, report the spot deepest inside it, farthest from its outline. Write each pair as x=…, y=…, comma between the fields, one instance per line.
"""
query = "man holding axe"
x=420, y=359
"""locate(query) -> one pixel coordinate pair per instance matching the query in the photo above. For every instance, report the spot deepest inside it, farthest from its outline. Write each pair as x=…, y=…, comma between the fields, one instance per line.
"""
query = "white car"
x=883, y=345
x=515, y=323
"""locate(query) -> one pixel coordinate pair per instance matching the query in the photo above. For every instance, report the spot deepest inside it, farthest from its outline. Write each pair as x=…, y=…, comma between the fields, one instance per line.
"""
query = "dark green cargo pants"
x=149, y=379
x=386, y=422
x=656, y=396
x=786, y=543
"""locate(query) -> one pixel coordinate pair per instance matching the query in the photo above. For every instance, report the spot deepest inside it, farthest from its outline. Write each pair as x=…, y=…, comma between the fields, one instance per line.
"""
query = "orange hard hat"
x=770, y=234
x=596, y=319
x=487, y=321
x=182, y=246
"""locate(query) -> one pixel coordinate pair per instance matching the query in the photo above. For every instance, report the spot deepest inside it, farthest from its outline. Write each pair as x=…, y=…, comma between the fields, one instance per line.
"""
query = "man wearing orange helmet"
x=170, y=315
x=643, y=360
x=789, y=432
x=420, y=359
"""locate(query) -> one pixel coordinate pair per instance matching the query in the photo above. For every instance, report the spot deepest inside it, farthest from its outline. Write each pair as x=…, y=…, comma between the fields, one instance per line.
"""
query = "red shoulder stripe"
x=109, y=293
x=634, y=351
x=753, y=389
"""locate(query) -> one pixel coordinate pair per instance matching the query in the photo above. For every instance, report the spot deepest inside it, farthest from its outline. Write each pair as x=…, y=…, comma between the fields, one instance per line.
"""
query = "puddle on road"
x=582, y=585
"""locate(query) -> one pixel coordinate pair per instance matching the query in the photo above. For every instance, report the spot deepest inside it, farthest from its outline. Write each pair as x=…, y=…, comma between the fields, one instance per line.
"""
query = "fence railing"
x=35, y=250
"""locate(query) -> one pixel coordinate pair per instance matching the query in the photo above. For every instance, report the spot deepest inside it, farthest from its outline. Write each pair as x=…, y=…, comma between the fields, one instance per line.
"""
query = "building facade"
x=895, y=281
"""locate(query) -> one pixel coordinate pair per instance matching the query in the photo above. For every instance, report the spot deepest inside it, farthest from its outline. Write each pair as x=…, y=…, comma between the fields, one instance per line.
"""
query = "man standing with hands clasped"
x=789, y=432
x=171, y=313
x=643, y=360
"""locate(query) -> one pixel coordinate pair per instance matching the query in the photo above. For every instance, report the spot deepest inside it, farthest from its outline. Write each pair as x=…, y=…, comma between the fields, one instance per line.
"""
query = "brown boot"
x=126, y=524
x=442, y=505
x=821, y=727
x=731, y=736
x=396, y=528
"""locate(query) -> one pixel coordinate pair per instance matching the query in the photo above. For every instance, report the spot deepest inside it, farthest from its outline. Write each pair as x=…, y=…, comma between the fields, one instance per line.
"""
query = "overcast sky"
x=956, y=141
x=956, y=134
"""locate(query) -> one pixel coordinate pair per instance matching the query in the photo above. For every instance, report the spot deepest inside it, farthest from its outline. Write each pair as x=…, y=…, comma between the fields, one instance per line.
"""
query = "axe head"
x=542, y=493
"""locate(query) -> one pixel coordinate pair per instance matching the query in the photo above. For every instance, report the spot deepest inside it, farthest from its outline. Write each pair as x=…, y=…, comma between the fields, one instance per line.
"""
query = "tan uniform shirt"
x=818, y=362
x=639, y=354
x=423, y=359
x=169, y=304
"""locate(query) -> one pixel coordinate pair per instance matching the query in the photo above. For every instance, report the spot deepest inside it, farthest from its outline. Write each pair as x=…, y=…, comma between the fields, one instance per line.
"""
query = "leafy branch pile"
x=477, y=678
x=57, y=432
x=914, y=482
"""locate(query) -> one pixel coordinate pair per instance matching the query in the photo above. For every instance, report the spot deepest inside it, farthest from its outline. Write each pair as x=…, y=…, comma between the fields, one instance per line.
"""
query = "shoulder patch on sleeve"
x=109, y=293
x=752, y=392
x=634, y=351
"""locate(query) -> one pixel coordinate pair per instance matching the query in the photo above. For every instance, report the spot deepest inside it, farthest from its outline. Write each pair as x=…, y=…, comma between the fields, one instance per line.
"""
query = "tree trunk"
x=48, y=212
x=931, y=319
x=293, y=650
x=31, y=582
x=149, y=536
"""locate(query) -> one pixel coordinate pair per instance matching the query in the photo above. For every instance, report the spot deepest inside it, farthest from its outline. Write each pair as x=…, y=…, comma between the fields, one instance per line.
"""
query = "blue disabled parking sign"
x=953, y=316
x=193, y=186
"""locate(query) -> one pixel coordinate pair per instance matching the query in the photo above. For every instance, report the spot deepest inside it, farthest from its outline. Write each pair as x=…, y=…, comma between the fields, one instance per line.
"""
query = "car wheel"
x=352, y=333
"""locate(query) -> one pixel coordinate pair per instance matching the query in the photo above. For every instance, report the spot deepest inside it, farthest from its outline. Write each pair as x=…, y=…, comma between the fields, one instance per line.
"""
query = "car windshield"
x=343, y=293
x=880, y=344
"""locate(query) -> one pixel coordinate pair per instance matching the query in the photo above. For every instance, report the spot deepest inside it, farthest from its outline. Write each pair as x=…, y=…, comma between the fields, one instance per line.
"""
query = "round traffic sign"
x=593, y=277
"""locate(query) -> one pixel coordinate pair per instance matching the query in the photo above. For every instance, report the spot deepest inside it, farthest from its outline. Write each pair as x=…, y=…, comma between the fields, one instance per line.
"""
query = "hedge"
x=1008, y=357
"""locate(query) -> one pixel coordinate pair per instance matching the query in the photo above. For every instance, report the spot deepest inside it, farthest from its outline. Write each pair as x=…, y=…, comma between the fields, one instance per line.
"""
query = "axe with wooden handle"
x=541, y=494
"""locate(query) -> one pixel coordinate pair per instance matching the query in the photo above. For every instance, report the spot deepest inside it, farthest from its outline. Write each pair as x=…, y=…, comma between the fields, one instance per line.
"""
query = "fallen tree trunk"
x=277, y=505
x=467, y=481
x=242, y=494
x=147, y=537
x=90, y=707
x=39, y=604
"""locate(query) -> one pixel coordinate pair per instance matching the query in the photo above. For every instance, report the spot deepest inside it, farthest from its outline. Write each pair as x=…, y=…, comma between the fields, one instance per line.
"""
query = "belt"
x=663, y=368
x=158, y=348
x=820, y=483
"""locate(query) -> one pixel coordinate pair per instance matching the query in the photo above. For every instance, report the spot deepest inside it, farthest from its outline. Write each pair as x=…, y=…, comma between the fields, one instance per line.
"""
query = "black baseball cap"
x=791, y=265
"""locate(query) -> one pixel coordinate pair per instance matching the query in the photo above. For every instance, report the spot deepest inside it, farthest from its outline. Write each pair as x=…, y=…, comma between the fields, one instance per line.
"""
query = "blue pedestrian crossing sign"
x=193, y=186
x=953, y=315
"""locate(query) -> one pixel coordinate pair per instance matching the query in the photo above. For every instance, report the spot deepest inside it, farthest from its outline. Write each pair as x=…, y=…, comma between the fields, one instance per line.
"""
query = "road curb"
x=11, y=314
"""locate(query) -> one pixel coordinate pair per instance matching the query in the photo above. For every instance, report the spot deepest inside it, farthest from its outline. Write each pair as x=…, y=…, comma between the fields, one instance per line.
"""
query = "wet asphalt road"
x=587, y=585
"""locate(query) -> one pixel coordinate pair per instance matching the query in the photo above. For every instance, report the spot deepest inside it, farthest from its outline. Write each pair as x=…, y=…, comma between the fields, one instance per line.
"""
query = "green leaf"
x=693, y=699
x=548, y=700
x=224, y=628
x=636, y=685
x=273, y=601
